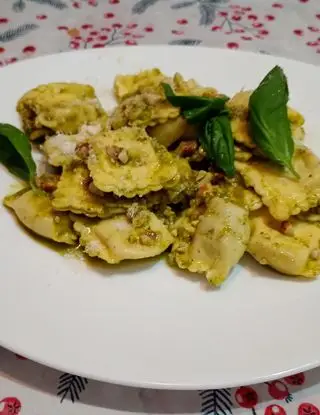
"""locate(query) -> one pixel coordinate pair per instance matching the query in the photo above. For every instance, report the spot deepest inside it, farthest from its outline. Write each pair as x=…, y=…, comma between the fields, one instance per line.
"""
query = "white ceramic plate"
x=144, y=323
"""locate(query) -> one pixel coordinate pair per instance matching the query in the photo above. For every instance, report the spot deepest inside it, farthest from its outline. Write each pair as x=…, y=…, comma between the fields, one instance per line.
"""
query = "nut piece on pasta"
x=59, y=108
x=127, y=162
x=137, y=235
x=35, y=212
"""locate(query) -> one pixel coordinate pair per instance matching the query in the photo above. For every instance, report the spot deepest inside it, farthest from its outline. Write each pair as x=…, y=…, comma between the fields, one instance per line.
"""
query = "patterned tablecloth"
x=36, y=27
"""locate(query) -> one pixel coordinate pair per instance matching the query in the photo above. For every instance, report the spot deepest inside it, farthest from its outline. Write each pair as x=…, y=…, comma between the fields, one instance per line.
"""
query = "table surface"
x=28, y=28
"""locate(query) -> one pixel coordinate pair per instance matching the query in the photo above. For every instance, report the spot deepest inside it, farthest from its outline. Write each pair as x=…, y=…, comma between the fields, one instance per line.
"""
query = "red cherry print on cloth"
x=232, y=45
x=41, y=17
x=308, y=409
x=252, y=17
x=130, y=42
x=1, y=51
x=63, y=28
x=86, y=26
x=132, y=26
x=29, y=49
x=312, y=44
x=10, y=406
x=98, y=45
x=274, y=410
x=298, y=32
x=148, y=29
x=269, y=17
x=278, y=390
x=277, y=5
x=3, y=20
x=117, y=25
x=318, y=16
x=247, y=397
x=182, y=21
x=76, y=5
x=74, y=45
x=215, y=28
x=313, y=29
x=108, y=15
x=10, y=60
x=297, y=379
x=114, y=1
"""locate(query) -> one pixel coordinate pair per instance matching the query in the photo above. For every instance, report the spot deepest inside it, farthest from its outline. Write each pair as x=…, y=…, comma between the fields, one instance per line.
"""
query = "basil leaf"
x=184, y=101
x=189, y=102
x=268, y=118
x=15, y=152
x=197, y=115
x=217, y=142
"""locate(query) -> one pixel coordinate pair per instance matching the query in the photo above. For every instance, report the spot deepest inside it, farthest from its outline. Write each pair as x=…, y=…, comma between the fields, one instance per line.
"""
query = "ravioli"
x=170, y=131
x=73, y=195
x=182, y=183
x=35, y=212
x=129, y=163
x=149, y=81
x=59, y=108
x=62, y=149
x=144, y=81
x=139, y=234
x=235, y=191
x=283, y=194
x=142, y=101
x=238, y=106
x=291, y=248
x=137, y=182
x=143, y=110
x=211, y=242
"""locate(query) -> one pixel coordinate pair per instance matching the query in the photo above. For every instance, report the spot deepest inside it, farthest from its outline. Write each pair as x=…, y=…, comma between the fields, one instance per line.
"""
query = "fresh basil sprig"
x=268, y=118
x=195, y=109
x=15, y=153
x=217, y=142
